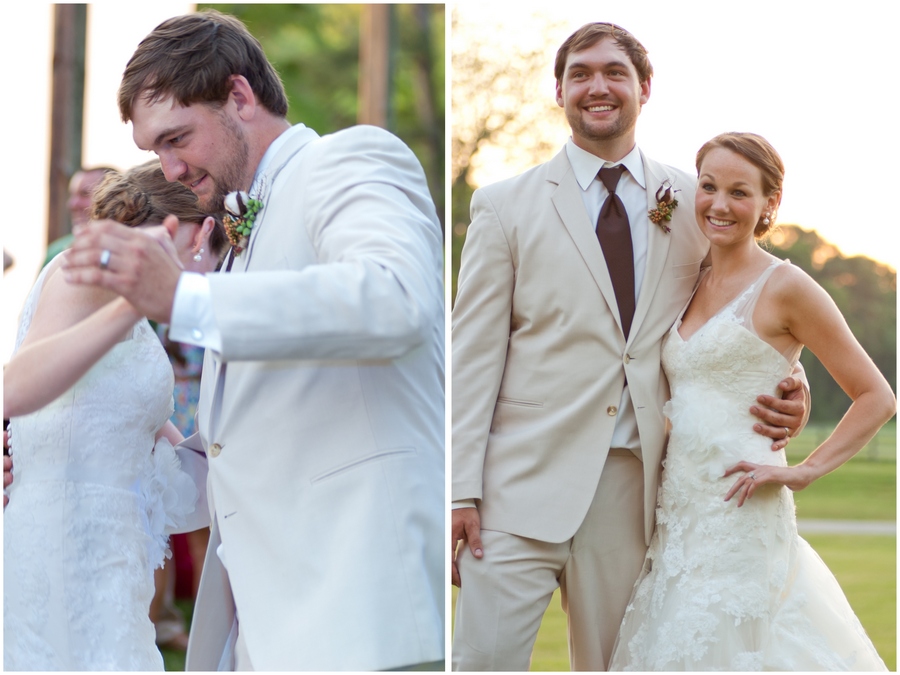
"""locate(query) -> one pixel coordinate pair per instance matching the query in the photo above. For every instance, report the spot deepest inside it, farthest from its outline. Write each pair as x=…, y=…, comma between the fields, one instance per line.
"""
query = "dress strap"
x=745, y=303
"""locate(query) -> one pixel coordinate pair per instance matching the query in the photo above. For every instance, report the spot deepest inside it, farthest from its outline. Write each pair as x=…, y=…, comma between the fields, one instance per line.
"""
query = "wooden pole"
x=67, y=112
x=374, y=65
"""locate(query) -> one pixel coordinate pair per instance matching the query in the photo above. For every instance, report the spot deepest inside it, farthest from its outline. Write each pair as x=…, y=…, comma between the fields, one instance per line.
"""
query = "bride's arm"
x=170, y=432
x=72, y=328
x=806, y=311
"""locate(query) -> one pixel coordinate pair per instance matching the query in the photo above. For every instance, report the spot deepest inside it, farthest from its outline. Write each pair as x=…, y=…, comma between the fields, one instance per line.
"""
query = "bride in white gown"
x=97, y=483
x=727, y=582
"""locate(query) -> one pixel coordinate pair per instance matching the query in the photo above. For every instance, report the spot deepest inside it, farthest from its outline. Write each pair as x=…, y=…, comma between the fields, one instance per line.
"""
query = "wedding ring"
x=104, y=259
x=787, y=432
x=752, y=476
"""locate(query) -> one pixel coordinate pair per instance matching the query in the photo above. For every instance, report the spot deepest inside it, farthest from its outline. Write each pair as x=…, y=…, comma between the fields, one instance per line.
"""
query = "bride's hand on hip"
x=756, y=475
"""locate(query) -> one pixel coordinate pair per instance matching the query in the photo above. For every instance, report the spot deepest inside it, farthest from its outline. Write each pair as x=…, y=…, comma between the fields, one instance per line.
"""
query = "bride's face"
x=730, y=200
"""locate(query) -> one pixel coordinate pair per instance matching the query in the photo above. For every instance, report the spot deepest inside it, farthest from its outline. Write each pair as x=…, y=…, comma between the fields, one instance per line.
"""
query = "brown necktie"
x=614, y=235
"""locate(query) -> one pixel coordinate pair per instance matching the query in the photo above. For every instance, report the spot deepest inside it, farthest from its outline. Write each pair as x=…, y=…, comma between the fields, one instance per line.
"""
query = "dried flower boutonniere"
x=241, y=212
x=665, y=206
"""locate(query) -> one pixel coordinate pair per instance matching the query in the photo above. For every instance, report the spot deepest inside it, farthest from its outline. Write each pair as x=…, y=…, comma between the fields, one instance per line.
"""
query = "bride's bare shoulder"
x=61, y=305
x=788, y=280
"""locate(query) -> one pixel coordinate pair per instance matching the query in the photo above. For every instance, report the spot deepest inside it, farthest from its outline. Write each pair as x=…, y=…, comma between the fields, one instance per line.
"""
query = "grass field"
x=866, y=566
x=865, y=488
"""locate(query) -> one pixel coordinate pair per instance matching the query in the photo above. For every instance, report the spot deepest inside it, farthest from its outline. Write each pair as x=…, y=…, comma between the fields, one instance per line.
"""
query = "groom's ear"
x=243, y=97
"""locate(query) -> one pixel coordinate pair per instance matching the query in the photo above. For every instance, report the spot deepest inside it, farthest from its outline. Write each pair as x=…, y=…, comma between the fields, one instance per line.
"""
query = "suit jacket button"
x=612, y=410
x=214, y=450
x=627, y=359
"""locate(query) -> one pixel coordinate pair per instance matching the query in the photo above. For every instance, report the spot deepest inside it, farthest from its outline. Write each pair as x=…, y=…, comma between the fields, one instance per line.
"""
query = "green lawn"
x=174, y=661
x=865, y=488
x=866, y=566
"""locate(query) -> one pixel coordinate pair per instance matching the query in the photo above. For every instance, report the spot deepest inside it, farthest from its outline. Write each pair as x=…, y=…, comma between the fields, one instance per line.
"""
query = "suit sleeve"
x=480, y=337
x=375, y=290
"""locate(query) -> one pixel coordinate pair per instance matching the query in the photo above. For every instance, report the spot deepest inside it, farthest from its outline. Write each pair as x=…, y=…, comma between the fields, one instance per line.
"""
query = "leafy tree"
x=866, y=293
x=504, y=120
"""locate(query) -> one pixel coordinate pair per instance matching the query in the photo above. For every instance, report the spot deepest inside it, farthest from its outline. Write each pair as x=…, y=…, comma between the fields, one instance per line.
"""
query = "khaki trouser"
x=505, y=594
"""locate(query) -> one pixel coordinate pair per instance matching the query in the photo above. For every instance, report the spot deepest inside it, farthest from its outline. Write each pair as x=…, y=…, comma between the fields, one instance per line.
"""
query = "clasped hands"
x=139, y=263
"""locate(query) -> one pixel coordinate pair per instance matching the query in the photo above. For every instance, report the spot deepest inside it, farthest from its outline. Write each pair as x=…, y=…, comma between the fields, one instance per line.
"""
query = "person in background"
x=81, y=190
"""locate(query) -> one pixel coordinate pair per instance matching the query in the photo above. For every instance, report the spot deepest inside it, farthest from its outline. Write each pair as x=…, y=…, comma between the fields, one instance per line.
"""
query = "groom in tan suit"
x=558, y=430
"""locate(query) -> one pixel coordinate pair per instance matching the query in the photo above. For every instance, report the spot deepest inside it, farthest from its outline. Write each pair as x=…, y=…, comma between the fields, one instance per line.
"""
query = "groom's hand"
x=141, y=263
x=466, y=529
x=781, y=417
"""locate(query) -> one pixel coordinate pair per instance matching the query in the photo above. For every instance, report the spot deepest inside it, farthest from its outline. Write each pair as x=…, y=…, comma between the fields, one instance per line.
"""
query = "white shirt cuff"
x=193, y=321
x=463, y=504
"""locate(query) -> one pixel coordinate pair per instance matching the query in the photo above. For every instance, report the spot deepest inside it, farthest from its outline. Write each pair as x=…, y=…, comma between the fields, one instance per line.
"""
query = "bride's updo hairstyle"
x=760, y=153
x=143, y=195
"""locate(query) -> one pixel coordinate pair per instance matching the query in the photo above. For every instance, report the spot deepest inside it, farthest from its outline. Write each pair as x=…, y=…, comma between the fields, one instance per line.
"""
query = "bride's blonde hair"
x=143, y=195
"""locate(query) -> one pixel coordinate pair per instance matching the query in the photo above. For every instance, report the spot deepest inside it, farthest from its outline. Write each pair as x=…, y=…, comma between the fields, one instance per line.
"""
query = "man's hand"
x=781, y=416
x=142, y=263
x=466, y=528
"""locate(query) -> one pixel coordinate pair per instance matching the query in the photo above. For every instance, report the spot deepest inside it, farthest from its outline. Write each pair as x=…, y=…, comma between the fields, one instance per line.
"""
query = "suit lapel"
x=569, y=205
x=658, y=243
x=294, y=144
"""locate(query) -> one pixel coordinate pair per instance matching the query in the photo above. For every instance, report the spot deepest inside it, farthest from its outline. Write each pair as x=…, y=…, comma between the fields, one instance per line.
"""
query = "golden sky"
x=817, y=79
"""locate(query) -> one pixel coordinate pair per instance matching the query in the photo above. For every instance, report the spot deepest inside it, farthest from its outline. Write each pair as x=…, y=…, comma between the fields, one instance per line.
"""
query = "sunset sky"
x=818, y=80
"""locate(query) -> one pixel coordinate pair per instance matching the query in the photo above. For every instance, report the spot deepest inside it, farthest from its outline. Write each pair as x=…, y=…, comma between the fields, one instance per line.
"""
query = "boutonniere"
x=665, y=206
x=240, y=214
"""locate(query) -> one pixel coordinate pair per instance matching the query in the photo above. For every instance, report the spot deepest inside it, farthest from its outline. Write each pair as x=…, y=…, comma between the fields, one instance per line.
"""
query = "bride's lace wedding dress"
x=727, y=588
x=89, y=507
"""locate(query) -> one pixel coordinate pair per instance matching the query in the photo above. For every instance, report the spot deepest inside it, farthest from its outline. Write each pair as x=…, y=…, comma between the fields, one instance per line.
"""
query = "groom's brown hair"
x=192, y=59
x=590, y=34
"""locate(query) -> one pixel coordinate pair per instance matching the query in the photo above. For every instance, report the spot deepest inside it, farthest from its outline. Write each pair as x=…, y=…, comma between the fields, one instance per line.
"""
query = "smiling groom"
x=567, y=287
x=322, y=400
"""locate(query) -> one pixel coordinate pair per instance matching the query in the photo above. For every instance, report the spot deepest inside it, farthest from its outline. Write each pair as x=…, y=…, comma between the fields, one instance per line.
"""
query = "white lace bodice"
x=89, y=507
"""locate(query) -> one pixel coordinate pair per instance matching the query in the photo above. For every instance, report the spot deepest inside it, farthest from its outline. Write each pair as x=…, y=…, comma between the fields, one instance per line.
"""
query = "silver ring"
x=104, y=259
x=752, y=475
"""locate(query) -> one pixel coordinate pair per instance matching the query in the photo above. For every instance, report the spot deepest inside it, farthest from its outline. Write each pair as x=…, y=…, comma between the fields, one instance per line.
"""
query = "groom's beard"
x=235, y=156
x=625, y=121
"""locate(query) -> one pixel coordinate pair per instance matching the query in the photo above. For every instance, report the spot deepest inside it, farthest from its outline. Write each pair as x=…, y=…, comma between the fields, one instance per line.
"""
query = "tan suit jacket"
x=539, y=357
x=323, y=417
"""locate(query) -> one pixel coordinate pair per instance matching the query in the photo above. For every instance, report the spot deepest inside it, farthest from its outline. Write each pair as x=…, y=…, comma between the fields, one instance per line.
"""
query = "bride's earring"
x=198, y=257
x=766, y=221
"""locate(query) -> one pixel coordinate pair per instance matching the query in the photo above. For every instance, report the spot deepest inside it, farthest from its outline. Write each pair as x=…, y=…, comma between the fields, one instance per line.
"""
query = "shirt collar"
x=587, y=165
x=272, y=151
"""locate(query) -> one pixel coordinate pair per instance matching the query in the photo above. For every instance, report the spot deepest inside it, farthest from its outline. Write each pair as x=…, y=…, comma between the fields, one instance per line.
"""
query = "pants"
x=504, y=595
